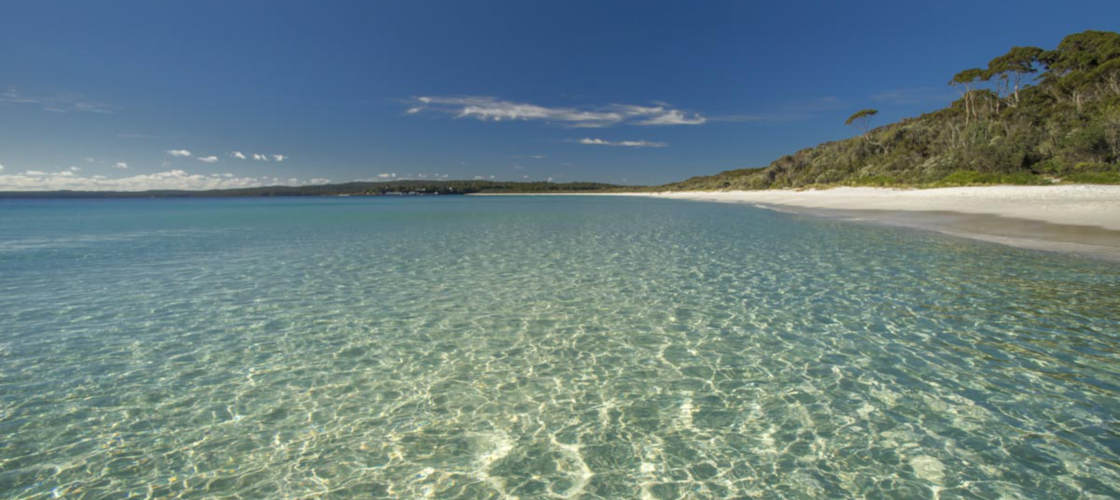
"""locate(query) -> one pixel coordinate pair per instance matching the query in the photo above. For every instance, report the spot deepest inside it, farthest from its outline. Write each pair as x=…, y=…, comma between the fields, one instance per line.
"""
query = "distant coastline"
x=390, y=188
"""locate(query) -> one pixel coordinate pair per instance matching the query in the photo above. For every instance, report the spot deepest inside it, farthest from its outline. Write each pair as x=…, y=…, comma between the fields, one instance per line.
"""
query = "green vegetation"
x=394, y=188
x=863, y=117
x=1033, y=116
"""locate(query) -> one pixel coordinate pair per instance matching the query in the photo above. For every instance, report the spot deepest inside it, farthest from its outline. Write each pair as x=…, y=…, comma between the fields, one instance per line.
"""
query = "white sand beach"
x=1082, y=219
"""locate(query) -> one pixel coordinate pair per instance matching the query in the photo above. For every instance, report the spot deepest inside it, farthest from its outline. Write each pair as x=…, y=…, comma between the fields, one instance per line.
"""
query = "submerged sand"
x=1082, y=219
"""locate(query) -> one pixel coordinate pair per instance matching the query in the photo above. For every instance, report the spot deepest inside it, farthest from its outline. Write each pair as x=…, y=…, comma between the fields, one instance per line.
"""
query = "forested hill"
x=411, y=187
x=1032, y=116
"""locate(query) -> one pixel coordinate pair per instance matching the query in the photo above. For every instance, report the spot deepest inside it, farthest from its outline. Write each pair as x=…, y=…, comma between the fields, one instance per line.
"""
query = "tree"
x=863, y=117
x=1081, y=62
x=1081, y=52
x=1011, y=67
x=1108, y=74
x=965, y=79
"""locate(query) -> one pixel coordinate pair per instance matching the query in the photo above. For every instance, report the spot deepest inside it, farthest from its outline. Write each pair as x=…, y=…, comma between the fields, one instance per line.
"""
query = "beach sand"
x=1081, y=219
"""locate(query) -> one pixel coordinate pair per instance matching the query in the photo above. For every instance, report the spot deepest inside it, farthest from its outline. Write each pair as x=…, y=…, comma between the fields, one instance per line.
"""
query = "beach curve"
x=1082, y=219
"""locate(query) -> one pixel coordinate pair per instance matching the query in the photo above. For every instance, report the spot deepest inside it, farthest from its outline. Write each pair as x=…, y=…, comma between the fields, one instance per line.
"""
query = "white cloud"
x=1, y=167
x=74, y=169
x=89, y=160
x=259, y=156
x=35, y=180
x=182, y=153
x=628, y=144
x=208, y=159
x=390, y=175
x=491, y=109
x=121, y=165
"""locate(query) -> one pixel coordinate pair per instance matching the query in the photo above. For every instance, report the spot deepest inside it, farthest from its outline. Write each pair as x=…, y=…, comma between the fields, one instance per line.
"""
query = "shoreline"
x=1082, y=219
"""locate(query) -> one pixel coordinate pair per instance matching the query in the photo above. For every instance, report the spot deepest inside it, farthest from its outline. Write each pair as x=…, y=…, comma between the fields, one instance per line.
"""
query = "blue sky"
x=113, y=95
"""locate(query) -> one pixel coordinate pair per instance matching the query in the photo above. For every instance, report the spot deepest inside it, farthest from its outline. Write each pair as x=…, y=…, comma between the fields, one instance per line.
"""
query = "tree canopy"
x=860, y=115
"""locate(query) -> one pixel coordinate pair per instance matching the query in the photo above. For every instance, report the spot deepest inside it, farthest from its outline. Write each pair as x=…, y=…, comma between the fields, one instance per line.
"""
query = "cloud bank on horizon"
x=37, y=180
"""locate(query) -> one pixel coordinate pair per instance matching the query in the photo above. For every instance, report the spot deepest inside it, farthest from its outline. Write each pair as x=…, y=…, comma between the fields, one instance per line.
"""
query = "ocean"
x=577, y=347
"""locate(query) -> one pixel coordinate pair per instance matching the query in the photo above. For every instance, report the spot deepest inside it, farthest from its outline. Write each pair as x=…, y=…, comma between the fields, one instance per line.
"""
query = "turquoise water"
x=583, y=347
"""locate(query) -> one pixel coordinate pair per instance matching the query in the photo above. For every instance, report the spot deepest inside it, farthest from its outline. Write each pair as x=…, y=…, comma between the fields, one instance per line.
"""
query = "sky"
x=217, y=94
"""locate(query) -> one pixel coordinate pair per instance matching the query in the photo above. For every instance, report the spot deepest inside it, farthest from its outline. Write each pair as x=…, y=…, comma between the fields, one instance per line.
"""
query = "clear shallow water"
x=541, y=346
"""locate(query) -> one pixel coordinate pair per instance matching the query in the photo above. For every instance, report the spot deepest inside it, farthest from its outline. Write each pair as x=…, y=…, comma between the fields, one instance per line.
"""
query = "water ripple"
x=529, y=347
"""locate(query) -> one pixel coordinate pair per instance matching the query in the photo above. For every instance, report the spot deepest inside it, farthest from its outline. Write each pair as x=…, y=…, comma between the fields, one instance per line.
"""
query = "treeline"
x=1032, y=116
x=404, y=188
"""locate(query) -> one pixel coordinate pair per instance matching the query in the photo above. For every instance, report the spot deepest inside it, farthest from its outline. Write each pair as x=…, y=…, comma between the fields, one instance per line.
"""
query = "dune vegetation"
x=1032, y=116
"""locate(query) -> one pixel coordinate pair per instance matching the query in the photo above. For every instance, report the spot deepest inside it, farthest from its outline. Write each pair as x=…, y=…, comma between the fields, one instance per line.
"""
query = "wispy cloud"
x=387, y=175
x=673, y=117
x=279, y=158
x=181, y=153
x=208, y=159
x=492, y=109
x=58, y=103
x=628, y=144
x=1, y=167
x=121, y=165
x=238, y=154
x=37, y=180
x=260, y=157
